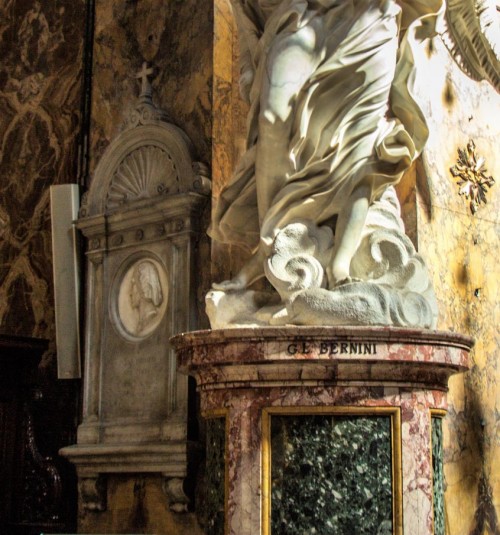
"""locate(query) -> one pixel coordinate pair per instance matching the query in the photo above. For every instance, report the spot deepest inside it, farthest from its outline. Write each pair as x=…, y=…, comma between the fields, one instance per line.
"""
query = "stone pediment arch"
x=150, y=159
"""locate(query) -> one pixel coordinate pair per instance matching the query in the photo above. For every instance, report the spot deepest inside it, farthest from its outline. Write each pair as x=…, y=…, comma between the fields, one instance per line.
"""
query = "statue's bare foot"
x=347, y=280
x=338, y=275
x=231, y=285
x=251, y=271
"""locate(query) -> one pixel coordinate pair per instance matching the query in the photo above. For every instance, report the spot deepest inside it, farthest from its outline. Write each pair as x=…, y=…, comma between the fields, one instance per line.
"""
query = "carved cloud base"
x=387, y=282
x=262, y=387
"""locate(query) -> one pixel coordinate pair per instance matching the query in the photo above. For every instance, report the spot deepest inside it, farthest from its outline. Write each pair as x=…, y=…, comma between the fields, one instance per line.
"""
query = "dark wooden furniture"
x=30, y=485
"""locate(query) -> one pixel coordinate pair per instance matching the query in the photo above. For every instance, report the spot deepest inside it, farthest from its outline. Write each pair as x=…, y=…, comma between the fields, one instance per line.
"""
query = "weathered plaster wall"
x=462, y=252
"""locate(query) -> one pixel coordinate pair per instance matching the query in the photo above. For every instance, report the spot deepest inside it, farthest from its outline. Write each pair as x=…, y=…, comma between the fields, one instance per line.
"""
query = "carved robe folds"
x=331, y=115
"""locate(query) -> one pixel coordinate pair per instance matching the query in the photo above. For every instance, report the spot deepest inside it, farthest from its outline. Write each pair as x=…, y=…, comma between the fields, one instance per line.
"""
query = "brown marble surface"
x=40, y=92
x=41, y=46
x=40, y=84
x=176, y=38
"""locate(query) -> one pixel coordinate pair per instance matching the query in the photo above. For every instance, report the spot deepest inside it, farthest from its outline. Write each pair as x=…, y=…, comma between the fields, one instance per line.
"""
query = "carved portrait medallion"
x=142, y=297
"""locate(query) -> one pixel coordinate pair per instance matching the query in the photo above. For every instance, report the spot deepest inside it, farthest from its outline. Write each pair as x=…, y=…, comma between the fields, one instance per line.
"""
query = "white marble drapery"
x=351, y=121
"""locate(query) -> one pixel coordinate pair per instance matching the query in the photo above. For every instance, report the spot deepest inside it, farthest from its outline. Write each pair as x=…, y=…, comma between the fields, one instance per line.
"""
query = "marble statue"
x=332, y=127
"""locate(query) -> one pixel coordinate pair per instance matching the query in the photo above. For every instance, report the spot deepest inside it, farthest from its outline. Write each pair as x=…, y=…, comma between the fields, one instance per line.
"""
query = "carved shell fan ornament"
x=145, y=173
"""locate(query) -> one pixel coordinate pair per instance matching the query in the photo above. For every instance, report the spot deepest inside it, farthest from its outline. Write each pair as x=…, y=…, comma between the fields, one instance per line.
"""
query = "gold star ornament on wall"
x=473, y=182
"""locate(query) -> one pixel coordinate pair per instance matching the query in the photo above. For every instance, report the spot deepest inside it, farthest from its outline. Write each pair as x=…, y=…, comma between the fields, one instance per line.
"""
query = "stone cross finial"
x=144, y=74
x=145, y=111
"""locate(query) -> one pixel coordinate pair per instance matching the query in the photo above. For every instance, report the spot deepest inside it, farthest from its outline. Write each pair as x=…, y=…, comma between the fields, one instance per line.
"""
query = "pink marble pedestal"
x=247, y=374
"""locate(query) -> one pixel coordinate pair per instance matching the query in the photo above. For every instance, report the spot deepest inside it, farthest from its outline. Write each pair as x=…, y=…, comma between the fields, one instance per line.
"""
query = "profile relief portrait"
x=142, y=298
x=145, y=294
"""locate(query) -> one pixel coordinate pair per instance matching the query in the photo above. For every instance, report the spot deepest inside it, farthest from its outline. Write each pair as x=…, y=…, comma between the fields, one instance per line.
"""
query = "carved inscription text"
x=333, y=348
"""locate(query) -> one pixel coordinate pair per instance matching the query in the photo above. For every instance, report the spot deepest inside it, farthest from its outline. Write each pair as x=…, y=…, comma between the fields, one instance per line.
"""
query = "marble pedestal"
x=255, y=378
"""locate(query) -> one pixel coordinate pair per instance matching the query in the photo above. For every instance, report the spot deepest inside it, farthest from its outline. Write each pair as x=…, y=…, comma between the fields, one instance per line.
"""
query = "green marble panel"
x=331, y=475
x=215, y=471
x=438, y=475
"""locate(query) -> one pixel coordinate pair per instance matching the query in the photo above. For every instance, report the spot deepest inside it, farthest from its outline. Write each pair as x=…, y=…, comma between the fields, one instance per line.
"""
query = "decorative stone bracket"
x=92, y=492
x=173, y=487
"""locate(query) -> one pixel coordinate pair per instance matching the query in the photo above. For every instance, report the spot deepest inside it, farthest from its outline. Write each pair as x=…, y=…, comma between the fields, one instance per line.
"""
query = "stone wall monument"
x=141, y=219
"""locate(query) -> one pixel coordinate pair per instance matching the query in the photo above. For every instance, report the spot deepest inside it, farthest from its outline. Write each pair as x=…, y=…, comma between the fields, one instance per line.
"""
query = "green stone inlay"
x=331, y=475
x=438, y=475
x=215, y=471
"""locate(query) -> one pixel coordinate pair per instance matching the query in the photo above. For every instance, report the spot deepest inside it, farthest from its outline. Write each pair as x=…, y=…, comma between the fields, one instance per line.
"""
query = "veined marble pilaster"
x=228, y=127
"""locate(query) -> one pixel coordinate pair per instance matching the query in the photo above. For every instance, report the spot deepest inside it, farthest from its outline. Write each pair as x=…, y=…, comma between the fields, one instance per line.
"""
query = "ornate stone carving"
x=92, y=493
x=152, y=157
x=141, y=298
x=144, y=173
x=333, y=126
x=141, y=220
x=390, y=284
x=470, y=170
x=146, y=112
x=174, y=489
x=84, y=201
x=202, y=182
x=473, y=38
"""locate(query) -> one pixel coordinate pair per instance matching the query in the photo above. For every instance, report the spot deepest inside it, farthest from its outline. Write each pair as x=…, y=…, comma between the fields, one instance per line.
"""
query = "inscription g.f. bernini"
x=333, y=348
